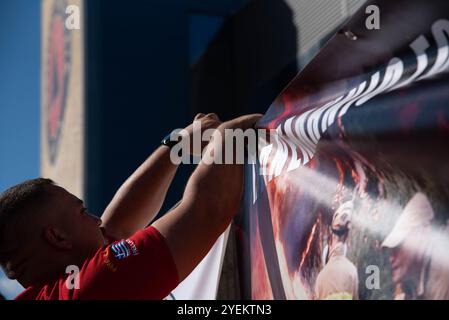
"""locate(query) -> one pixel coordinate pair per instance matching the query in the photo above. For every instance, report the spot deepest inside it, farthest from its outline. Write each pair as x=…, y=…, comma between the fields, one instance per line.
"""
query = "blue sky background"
x=19, y=99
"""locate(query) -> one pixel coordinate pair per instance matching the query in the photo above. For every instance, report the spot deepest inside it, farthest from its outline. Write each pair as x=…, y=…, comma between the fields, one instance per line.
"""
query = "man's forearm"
x=211, y=199
x=140, y=198
x=215, y=189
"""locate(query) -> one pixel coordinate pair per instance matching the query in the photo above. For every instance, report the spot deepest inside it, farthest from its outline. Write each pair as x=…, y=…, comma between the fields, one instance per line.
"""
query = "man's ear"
x=57, y=238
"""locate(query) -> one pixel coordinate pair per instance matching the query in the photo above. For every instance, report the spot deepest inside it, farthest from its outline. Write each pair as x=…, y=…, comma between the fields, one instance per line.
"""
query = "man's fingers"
x=213, y=116
x=199, y=116
x=247, y=121
x=243, y=122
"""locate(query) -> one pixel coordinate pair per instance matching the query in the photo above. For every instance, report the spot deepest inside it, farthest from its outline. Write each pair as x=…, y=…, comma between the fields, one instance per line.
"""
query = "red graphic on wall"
x=58, y=74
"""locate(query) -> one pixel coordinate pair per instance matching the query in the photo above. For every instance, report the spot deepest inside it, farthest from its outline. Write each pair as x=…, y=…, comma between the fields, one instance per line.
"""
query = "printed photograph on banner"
x=351, y=199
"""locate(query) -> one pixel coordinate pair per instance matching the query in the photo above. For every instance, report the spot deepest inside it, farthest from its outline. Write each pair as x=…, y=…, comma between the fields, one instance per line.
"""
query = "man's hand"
x=201, y=123
x=141, y=196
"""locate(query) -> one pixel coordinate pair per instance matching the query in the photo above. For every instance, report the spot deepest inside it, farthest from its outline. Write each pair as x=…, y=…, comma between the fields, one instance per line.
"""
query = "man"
x=418, y=253
x=46, y=232
x=338, y=280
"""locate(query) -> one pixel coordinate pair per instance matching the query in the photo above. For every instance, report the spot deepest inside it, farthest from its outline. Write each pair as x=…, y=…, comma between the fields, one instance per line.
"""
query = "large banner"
x=350, y=195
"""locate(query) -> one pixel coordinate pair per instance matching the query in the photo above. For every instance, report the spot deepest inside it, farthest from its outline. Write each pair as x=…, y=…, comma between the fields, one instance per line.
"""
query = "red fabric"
x=139, y=268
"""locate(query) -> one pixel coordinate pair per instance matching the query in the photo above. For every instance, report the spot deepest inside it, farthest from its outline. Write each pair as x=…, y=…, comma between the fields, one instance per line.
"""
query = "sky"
x=19, y=99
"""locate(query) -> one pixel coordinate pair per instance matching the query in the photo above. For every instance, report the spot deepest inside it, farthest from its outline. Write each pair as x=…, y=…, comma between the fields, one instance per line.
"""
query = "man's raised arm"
x=211, y=199
x=140, y=198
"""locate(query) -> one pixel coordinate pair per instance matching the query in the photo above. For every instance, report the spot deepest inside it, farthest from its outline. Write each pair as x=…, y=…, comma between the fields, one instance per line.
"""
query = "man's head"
x=407, y=239
x=44, y=228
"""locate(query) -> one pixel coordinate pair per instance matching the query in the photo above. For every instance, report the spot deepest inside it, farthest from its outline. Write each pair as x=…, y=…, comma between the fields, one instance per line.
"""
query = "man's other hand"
x=203, y=123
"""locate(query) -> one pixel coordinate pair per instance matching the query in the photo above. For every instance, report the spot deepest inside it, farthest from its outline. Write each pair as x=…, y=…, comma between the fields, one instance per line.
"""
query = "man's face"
x=64, y=212
x=82, y=229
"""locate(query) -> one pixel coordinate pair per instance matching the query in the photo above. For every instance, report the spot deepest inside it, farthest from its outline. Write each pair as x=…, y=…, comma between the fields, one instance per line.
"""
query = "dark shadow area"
x=137, y=89
x=248, y=63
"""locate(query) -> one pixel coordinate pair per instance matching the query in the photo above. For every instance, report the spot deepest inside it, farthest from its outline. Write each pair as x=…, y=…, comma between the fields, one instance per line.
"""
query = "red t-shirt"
x=137, y=268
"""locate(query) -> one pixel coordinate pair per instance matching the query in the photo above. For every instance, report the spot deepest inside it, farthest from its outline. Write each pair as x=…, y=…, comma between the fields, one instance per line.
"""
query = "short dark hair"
x=22, y=198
